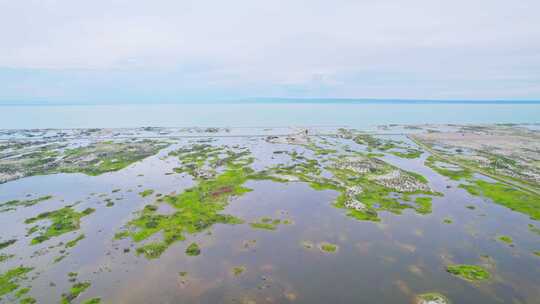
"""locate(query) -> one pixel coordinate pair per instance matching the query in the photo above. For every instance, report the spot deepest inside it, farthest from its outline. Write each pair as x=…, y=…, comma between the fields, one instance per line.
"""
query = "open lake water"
x=263, y=115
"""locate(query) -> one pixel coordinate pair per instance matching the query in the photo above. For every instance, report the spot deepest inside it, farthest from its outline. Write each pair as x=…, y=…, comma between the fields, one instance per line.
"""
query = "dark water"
x=387, y=262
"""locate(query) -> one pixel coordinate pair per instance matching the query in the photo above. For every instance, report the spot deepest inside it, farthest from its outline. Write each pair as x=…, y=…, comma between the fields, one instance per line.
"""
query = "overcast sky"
x=111, y=50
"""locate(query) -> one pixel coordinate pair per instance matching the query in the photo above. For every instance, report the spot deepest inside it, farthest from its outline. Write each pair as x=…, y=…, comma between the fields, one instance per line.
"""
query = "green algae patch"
x=62, y=221
x=146, y=192
x=376, y=198
x=9, y=279
x=328, y=247
x=534, y=229
x=21, y=292
x=266, y=223
x=93, y=159
x=320, y=150
x=454, y=174
x=505, y=239
x=471, y=273
x=74, y=292
x=431, y=298
x=537, y=253
x=196, y=209
x=121, y=235
x=7, y=243
x=507, y=196
x=366, y=185
x=193, y=249
x=447, y=220
x=238, y=270
x=92, y=301
x=375, y=143
x=28, y=300
x=410, y=154
x=201, y=160
x=152, y=250
x=423, y=205
x=4, y=257
x=103, y=157
x=109, y=203
x=59, y=258
x=72, y=275
x=75, y=241
x=264, y=226
x=13, y=204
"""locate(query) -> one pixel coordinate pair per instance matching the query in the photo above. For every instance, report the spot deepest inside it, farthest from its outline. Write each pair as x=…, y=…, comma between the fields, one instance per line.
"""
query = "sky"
x=178, y=50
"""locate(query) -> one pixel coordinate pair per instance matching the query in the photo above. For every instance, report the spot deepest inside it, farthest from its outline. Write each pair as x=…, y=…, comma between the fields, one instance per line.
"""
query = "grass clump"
x=514, y=199
x=8, y=279
x=121, y=235
x=328, y=247
x=74, y=292
x=238, y=270
x=470, y=273
x=62, y=221
x=103, y=157
x=4, y=257
x=92, y=301
x=447, y=220
x=410, y=154
x=152, y=250
x=74, y=242
x=13, y=204
x=93, y=159
x=374, y=143
x=534, y=229
x=320, y=150
x=7, y=243
x=505, y=239
x=146, y=192
x=193, y=249
x=456, y=174
x=21, y=292
x=423, y=205
x=266, y=223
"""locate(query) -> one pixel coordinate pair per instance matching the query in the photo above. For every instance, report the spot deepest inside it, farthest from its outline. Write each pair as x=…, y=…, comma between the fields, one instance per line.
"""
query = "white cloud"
x=282, y=42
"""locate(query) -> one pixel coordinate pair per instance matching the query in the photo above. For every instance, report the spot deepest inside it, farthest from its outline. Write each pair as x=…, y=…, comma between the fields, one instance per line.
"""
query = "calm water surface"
x=246, y=115
x=387, y=262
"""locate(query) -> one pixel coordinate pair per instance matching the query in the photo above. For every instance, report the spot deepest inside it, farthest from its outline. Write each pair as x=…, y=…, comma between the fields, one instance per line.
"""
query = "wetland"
x=395, y=214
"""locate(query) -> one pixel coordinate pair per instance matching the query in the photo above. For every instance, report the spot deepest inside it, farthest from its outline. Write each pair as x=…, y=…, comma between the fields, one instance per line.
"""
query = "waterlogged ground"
x=409, y=215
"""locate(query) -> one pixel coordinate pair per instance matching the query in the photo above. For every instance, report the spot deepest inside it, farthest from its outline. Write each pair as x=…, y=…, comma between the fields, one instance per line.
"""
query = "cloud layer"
x=168, y=50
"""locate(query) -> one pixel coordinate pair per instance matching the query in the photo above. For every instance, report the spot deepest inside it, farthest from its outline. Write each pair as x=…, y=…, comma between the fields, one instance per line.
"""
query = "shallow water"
x=386, y=262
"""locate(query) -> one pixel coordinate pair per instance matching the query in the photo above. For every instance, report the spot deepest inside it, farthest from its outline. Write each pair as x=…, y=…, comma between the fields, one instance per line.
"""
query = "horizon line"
x=271, y=100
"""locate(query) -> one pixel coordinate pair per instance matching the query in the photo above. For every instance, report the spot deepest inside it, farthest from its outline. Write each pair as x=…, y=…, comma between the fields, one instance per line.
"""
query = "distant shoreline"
x=336, y=101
